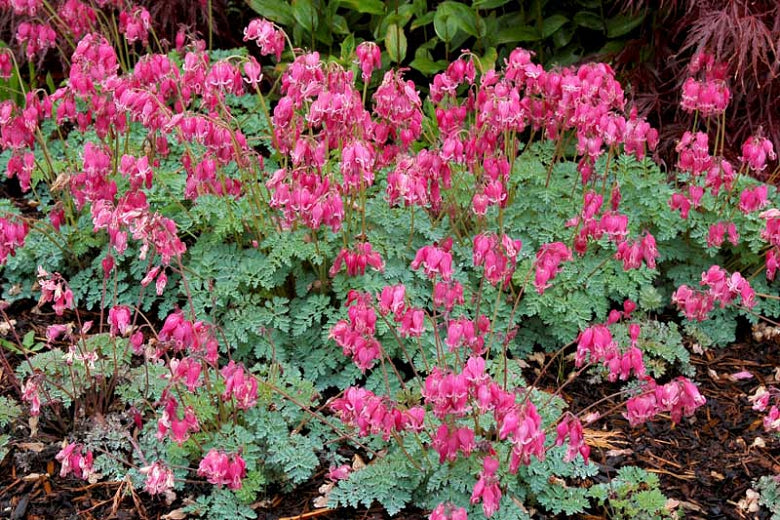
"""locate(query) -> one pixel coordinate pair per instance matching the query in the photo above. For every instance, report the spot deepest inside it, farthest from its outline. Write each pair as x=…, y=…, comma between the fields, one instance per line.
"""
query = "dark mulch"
x=709, y=462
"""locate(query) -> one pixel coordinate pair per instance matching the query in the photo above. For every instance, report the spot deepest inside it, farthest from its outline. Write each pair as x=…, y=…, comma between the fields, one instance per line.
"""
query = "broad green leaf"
x=305, y=14
x=589, y=20
x=612, y=47
x=521, y=33
x=427, y=65
x=364, y=6
x=466, y=18
x=562, y=37
x=445, y=23
x=348, y=46
x=488, y=4
x=488, y=60
x=422, y=21
x=338, y=25
x=274, y=10
x=622, y=24
x=552, y=23
x=395, y=43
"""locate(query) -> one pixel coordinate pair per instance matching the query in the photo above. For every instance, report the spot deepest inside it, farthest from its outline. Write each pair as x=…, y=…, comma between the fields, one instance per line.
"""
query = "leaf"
x=364, y=6
x=521, y=33
x=622, y=24
x=395, y=43
x=338, y=25
x=427, y=65
x=465, y=17
x=488, y=4
x=304, y=13
x=422, y=21
x=552, y=23
x=589, y=20
x=488, y=60
x=279, y=12
x=348, y=46
x=445, y=23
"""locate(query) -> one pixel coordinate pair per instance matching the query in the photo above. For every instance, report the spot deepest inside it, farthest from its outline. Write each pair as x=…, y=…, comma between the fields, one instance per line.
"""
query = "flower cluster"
x=709, y=95
x=548, y=263
x=169, y=424
x=12, y=235
x=761, y=400
x=436, y=260
x=159, y=478
x=73, y=460
x=268, y=38
x=222, y=469
x=498, y=257
x=240, y=386
x=722, y=288
x=597, y=345
x=371, y=414
x=680, y=398
x=356, y=260
x=356, y=335
x=54, y=289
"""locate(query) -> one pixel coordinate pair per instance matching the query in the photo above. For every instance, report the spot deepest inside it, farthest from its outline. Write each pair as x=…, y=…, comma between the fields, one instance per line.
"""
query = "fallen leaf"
x=750, y=502
x=35, y=446
x=538, y=357
x=357, y=463
x=176, y=514
x=32, y=422
x=619, y=453
x=758, y=442
x=740, y=375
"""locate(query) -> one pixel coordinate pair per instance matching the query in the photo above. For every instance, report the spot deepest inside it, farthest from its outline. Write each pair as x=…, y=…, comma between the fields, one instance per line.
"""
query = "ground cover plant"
x=247, y=292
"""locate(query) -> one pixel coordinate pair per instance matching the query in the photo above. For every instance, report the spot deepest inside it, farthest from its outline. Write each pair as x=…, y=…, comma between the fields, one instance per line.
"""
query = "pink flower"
x=179, y=429
x=37, y=38
x=159, y=478
x=641, y=408
x=447, y=295
x=571, y=427
x=221, y=469
x=339, y=472
x=392, y=299
x=135, y=25
x=6, y=64
x=119, y=317
x=30, y=395
x=755, y=152
x=448, y=441
x=54, y=289
x=772, y=420
x=369, y=57
x=753, y=199
x=266, y=36
x=253, y=72
x=72, y=459
x=187, y=369
x=548, y=260
x=486, y=489
x=357, y=260
x=436, y=260
x=12, y=236
x=240, y=386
